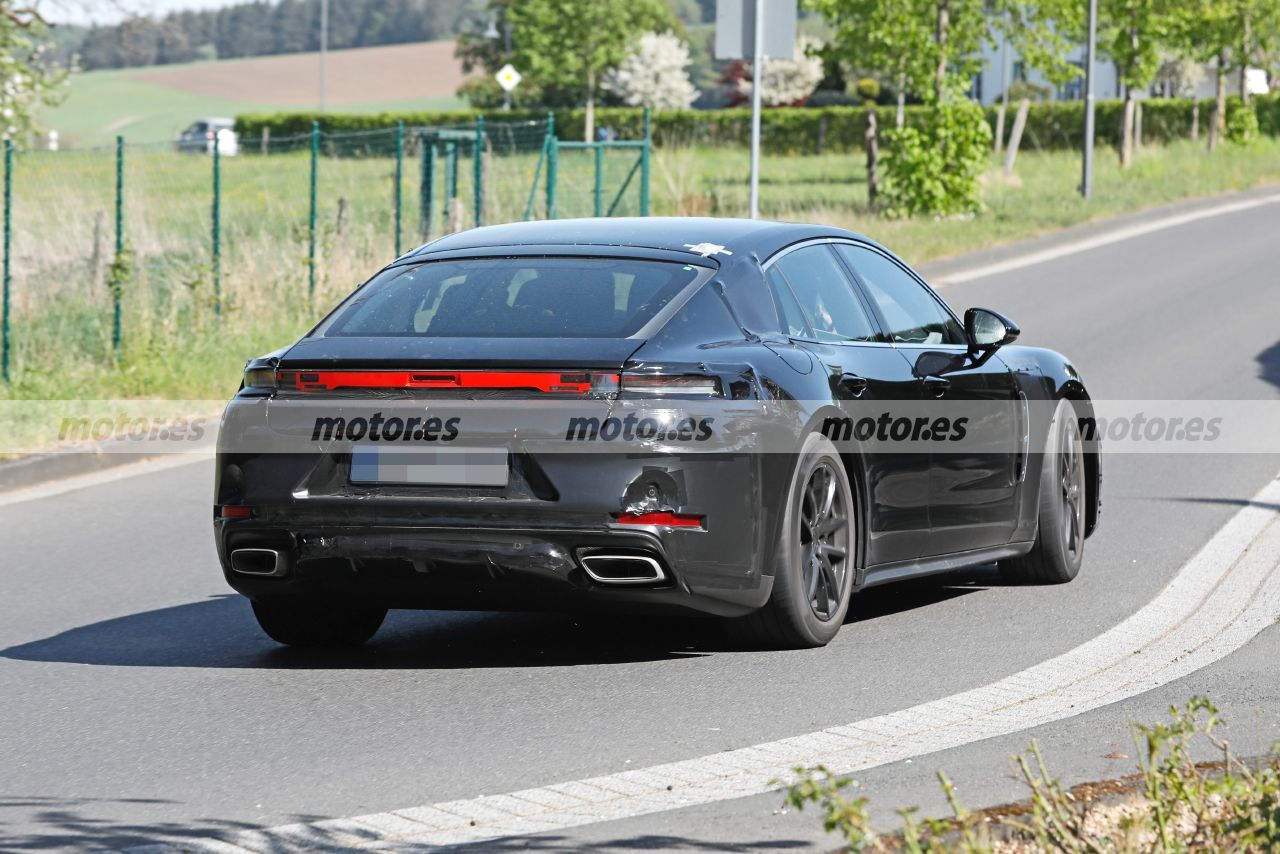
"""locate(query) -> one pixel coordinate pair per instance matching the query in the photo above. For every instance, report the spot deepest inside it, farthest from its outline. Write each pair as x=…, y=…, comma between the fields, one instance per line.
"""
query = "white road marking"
x=111, y=475
x=1106, y=239
x=1227, y=593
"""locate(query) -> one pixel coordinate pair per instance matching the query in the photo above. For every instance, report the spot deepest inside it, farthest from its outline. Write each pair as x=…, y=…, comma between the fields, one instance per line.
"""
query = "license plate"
x=436, y=467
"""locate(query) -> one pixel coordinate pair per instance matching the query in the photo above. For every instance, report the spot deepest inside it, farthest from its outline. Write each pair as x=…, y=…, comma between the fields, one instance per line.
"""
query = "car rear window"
x=513, y=298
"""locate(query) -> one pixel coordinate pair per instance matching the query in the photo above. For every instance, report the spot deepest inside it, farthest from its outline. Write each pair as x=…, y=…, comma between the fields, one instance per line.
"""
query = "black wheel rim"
x=824, y=541
x=1071, y=476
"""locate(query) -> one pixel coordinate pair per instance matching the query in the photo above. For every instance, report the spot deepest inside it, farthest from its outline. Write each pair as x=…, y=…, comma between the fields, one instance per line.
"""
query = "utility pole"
x=324, y=48
x=1086, y=169
x=757, y=80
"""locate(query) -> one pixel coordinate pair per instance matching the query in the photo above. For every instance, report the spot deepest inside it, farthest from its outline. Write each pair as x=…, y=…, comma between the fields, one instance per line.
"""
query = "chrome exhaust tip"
x=259, y=562
x=622, y=569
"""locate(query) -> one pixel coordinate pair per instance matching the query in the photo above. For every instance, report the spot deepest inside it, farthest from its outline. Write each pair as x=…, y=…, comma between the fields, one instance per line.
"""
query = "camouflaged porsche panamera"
x=739, y=418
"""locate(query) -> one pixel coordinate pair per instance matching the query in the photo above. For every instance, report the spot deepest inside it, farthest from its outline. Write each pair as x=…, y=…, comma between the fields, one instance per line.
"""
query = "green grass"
x=175, y=347
x=1041, y=197
x=101, y=104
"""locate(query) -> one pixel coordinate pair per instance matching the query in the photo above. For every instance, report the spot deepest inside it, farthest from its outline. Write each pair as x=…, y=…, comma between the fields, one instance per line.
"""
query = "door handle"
x=853, y=384
x=937, y=385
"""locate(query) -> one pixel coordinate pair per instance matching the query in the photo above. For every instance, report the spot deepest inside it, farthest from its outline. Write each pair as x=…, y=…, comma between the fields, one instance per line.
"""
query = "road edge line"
x=1216, y=602
x=1097, y=241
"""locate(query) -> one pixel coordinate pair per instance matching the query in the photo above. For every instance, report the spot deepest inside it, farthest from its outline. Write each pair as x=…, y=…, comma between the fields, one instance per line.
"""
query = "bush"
x=1242, y=124
x=934, y=170
x=482, y=93
x=1054, y=125
x=1033, y=92
x=1177, y=803
x=868, y=89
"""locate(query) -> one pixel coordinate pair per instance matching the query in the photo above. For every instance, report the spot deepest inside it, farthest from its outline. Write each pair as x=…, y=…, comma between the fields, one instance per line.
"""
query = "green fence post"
x=117, y=284
x=399, y=179
x=552, y=153
x=478, y=166
x=598, y=193
x=8, y=211
x=216, y=235
x=644, y=165
x=311, y=252
x=450, y=177
x=426, y=187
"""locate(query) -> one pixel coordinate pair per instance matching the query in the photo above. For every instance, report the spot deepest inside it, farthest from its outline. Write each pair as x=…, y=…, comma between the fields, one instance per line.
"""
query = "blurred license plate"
x=435, y=467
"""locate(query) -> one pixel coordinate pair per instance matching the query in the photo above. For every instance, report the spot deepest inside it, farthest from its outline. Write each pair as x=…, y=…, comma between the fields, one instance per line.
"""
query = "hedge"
x=790, y=130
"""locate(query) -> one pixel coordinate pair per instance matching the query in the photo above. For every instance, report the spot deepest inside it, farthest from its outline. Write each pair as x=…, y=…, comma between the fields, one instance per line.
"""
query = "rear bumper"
x=513, y=547
x=477, y=568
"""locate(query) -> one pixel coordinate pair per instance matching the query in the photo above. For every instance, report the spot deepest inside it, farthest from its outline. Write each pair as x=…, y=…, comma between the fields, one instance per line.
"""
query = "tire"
x=814, y=571
x=312, y=622
x=1059, y=547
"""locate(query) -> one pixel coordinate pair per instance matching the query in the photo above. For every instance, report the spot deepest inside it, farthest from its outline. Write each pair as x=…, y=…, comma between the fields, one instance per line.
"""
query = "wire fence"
x=131, y=244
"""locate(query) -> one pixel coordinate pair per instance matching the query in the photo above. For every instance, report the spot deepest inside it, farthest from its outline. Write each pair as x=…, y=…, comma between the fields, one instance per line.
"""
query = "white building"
x=1002, y=66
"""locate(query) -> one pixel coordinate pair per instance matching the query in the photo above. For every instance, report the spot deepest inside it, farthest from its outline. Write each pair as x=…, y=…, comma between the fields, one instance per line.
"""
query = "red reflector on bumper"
x=235, y=511
x=671, y=520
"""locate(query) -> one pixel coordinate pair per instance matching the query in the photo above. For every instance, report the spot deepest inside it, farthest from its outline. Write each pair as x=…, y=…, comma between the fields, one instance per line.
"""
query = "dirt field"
x=390, y=73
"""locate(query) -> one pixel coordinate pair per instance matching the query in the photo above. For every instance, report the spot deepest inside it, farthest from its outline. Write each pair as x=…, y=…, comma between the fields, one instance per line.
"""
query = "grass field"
x=154, y=104
x=175, y=346
x=1041, y=197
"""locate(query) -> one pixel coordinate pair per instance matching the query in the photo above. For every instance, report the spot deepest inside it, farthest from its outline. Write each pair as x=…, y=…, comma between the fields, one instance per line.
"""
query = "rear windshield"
x=513, y=298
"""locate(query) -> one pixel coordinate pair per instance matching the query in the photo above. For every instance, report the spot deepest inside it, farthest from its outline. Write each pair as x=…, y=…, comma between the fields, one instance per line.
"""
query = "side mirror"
x=987, y=330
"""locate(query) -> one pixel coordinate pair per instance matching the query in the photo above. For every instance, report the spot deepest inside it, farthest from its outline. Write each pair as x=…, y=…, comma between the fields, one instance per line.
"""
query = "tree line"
x=928, y=50
x=263, y=28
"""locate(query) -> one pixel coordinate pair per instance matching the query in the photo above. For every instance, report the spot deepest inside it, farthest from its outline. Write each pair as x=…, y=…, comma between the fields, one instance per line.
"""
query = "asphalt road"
x=137, y=696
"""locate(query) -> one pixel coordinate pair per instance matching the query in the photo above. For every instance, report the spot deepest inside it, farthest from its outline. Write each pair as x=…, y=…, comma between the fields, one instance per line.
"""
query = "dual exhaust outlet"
x=602, y=567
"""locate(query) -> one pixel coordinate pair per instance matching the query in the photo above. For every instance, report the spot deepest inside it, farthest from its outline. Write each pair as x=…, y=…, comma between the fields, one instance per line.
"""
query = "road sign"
x=735, y=29
x=508, y=78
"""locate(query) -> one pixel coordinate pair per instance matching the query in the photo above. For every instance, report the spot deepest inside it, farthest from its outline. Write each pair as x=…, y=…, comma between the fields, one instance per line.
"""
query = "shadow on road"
x=1269, y=364
x=63, y=828
x=61, y=825
x=220, y=632
x=646, y=842
x=1235, y=502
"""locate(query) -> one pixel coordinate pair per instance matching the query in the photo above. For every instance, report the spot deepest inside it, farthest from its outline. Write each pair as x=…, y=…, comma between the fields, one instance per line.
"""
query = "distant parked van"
x=202, y=135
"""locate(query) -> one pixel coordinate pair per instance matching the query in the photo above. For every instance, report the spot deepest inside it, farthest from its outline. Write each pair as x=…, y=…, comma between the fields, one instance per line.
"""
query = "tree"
x=654, y=75
x=26, y=79
x=785, y=81
x=934, y=47
x=1229, y=33
x=1134, y=32
x=880, y=36
x=572, y=43
x=258, y=28
x=1259, y=37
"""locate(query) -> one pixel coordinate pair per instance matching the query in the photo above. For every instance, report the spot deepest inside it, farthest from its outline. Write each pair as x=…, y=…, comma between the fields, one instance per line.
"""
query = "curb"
x=43, y=468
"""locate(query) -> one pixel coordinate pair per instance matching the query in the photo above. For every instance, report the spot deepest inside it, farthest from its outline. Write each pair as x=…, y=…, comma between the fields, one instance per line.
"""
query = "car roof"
x=708, y=236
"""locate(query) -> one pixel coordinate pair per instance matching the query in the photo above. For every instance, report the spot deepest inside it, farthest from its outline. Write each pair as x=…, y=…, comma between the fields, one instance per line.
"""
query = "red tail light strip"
x=544, y=381
x=235, y=511
x=671, y=520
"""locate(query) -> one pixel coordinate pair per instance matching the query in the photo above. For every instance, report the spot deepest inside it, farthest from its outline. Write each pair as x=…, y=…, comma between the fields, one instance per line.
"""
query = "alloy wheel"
x=824, y=541
x=1071, y=474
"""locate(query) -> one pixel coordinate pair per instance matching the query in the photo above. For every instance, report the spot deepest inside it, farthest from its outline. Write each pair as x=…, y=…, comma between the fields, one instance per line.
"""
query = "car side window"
x=789, y=312
x=913, y=313
x=826, y=295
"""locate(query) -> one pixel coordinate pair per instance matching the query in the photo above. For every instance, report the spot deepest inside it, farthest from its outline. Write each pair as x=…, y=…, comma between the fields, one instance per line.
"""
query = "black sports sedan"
x=746, y=419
